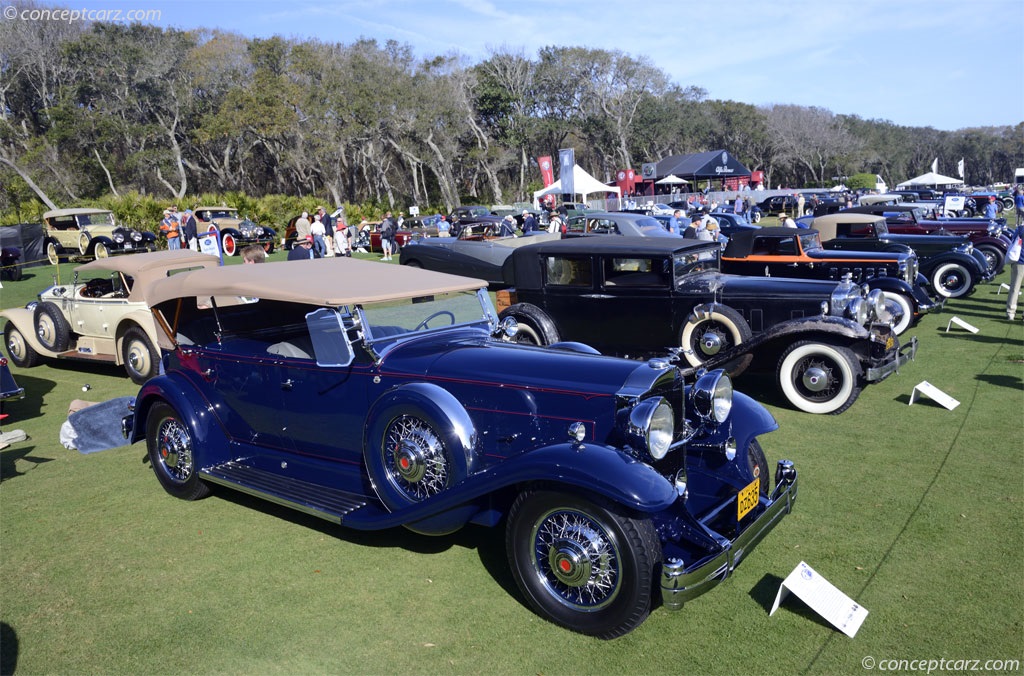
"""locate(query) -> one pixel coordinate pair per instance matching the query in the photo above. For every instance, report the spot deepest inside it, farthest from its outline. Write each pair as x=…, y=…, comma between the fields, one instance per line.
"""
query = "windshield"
x=810, y=241
x=425, y=313
x=479, y=211
x=689, y=263
x=103, y=218
x=220, y=213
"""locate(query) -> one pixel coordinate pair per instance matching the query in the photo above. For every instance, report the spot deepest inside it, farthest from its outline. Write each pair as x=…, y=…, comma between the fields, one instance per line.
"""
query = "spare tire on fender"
x=419, y=442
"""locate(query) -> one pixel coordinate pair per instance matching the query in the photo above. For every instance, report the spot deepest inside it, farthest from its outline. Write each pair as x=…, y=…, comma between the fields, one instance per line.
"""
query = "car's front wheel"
x=582, y=564
x=711, y=331
x=900, y=310
x=18, y=349
x=819, y=378
x=228, y=244
x=52, y=255
x=83, y=243
x=993, y=257
x=952, y=280
x=138, y=355
x=172, y=453
x=52, y=327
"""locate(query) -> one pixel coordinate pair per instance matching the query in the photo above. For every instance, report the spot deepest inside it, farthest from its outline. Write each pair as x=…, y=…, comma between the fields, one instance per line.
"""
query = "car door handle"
x=287, y=385
x=596, y=295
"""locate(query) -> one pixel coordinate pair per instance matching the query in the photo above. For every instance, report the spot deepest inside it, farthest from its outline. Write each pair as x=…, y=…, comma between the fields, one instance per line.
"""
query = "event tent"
x=672, y=179
x=583, y=184
x=930, y=179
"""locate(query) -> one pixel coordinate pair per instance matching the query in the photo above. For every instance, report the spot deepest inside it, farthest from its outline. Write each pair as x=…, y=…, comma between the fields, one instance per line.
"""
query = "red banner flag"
x=547, y=173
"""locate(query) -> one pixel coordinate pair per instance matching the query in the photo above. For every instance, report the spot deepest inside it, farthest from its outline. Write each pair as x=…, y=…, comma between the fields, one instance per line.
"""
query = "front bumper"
x=900, y=356
x=680, y=583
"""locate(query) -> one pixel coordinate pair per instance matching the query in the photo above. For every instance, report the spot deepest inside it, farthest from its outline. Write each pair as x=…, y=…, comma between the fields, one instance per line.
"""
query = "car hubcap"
x=45, y=331
x=576, y=560
x=175, y=449
x=415, y=456
x=14, y=347
x=817, y=378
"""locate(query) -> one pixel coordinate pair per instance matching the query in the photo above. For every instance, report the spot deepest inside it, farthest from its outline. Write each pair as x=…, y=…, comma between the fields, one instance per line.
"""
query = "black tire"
x=951, y=280
x=584, y=565
x=268, y=247
x=901, y=311
x=53, y=253
x=819, y=378
x=19, y=351
x=101, y=250
x=229, y=245
x=413, y=264
x=711, y=330
x=994, y=257
x=535, y=327
x=758, y=465
x=172, y=453
x=138, y=355
x=11, y=272
x=52, y=328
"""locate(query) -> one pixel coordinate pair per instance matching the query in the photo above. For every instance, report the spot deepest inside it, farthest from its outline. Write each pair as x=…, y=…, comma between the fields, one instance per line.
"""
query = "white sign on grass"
x=823, y=598
x=926, y=388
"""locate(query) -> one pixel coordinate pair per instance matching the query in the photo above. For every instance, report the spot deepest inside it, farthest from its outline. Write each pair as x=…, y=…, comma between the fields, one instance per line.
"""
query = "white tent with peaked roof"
x=583, y=184
x=932, y=179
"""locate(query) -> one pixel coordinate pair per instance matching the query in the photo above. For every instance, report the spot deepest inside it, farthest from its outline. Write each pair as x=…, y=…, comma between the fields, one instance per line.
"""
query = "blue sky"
x=940, y=63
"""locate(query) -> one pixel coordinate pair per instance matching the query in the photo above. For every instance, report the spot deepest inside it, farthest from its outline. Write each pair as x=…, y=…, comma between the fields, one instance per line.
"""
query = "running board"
x=326, y=503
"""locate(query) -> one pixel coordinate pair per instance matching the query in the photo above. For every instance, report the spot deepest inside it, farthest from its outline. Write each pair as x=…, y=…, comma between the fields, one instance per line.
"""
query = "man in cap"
x=303, y=250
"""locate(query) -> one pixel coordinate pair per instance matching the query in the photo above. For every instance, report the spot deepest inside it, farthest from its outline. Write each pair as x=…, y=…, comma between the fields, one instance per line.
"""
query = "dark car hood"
x=475, y=359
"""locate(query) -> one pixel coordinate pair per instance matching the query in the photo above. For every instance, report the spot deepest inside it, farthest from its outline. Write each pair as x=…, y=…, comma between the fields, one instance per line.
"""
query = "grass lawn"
x=914, y=511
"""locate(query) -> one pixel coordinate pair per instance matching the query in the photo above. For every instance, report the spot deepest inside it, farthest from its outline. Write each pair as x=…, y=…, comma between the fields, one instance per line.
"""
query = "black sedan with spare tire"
x=638, y=297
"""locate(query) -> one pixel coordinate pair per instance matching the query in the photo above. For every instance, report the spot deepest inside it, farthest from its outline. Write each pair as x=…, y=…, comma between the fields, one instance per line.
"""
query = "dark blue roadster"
x=378, y=396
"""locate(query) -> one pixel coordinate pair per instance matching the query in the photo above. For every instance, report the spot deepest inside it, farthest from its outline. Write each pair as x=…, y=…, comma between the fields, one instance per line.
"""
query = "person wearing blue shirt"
x=990, y=208
x=1018, y=204
x=673, y=222
x=529, y=224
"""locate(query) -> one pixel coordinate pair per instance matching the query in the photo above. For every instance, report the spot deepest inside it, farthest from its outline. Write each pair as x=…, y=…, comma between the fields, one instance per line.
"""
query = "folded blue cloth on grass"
x=98, y=427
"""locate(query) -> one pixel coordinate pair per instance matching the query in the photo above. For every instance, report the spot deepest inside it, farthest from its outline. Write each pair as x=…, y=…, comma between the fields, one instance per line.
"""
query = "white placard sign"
x=209, y=243
x=962, y=324
x=952, y=204
x=822, y=597
x=926, y=388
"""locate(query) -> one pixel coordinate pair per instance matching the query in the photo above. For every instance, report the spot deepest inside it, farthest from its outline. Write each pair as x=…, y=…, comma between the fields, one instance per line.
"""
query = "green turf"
x=914, y=511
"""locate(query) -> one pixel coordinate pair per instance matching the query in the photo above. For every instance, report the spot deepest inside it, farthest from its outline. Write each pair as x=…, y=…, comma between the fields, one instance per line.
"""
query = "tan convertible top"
x=135, y=264
x=325, y=281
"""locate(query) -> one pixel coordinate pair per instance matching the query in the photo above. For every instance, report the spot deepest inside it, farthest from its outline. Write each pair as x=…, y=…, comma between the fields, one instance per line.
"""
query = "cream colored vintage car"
x=103, y=318
x=90, y=232
x=235, y=233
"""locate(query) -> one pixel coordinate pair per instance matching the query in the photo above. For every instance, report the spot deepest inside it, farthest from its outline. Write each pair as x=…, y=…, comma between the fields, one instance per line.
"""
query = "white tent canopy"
x=931, y=178
x=672, y=179
x=583, y=184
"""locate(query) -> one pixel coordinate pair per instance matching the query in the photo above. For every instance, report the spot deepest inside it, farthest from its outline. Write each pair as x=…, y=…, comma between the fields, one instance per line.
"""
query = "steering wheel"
x=423, y=324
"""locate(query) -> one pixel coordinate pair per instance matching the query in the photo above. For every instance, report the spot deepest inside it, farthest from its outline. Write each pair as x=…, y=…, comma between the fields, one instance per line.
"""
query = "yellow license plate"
x=748, y=498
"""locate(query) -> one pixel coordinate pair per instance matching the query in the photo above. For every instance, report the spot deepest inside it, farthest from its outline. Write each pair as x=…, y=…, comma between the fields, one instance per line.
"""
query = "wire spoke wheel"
x=415, y=459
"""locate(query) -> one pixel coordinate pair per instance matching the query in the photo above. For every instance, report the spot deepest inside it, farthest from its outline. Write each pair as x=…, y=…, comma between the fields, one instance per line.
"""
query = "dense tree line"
x=88, y=110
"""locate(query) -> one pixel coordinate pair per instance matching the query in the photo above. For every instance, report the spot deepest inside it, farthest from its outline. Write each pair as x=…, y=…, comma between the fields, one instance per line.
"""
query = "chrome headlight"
x=652, y=426
x=857, y=310
x=136, y=236
x=712, y=396
x=119, y=237
x=876, y=301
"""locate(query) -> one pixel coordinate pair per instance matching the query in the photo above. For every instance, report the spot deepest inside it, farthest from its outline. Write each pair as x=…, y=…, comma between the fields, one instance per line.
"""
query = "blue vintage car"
x=378, y=396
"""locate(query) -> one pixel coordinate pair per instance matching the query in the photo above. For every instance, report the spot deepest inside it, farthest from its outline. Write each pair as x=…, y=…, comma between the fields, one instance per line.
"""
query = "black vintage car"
x=638, y=296
x=951, y=264
x=987, y=236
x=798, y=253
x=478, y=219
